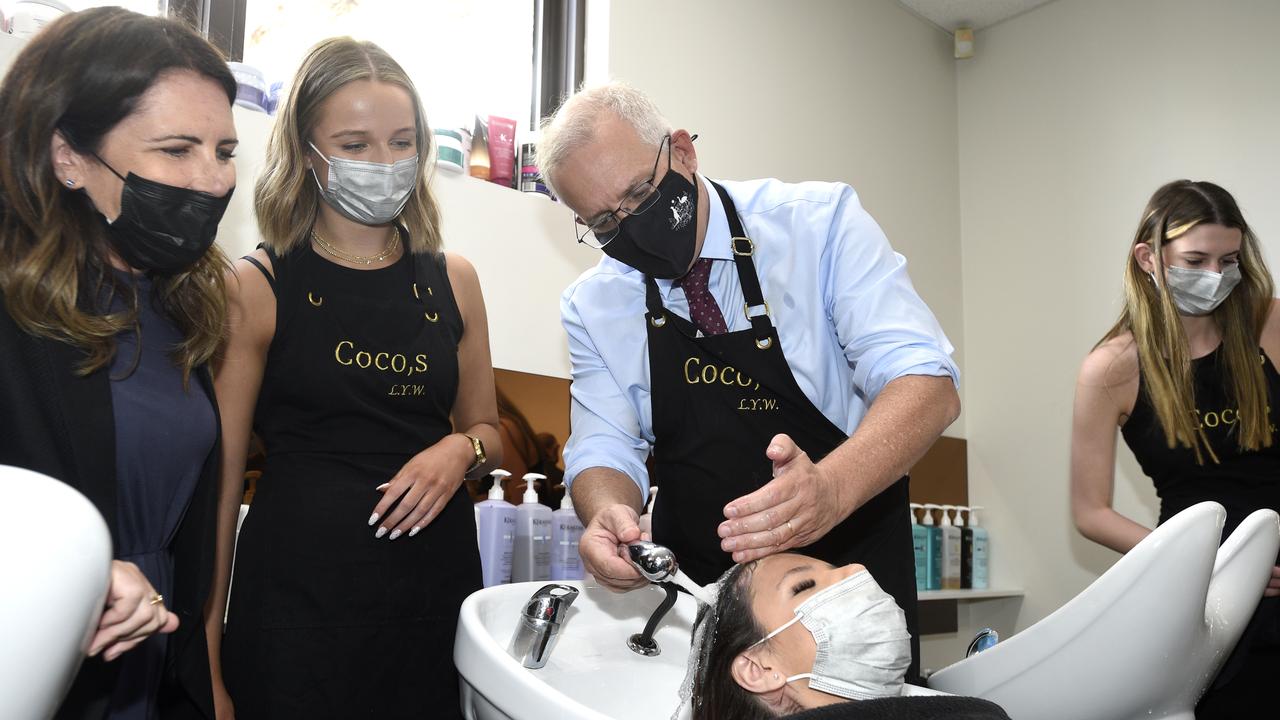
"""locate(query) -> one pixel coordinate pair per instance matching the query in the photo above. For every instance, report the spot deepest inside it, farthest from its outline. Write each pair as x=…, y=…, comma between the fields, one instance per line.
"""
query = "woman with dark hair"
x=1187, y=376
x=787, y=618
x=115, y=169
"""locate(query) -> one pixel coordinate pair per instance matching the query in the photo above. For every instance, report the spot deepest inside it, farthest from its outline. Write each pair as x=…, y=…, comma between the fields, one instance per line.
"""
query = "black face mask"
x=161, y=228
x=659, y=242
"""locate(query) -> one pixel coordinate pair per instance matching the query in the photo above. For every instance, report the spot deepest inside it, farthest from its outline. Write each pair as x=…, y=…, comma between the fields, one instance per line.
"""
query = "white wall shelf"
x=989, y=594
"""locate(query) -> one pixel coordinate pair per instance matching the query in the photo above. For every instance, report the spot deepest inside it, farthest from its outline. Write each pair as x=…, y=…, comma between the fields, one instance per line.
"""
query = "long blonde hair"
x=1163, y=349
x=80, y=77
x=286, y=199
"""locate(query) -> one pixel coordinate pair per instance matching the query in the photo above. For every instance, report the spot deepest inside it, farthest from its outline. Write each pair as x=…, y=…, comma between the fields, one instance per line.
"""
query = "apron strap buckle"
x=658, y=320
x=746, y=310
x=750, y=247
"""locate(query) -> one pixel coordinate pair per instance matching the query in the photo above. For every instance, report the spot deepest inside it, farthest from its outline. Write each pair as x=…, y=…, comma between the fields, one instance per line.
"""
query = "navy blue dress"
x=164, y=433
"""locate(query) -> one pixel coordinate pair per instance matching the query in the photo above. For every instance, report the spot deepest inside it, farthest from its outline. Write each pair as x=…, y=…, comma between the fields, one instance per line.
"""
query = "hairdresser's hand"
x=1273, y=587
x=422, y=488
x=794, y=509
x=130, y=616
x=604, y=548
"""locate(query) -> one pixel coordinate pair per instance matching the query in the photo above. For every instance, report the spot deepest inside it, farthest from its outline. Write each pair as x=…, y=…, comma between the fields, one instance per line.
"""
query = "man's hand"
x=603, y=547
x=795, y=509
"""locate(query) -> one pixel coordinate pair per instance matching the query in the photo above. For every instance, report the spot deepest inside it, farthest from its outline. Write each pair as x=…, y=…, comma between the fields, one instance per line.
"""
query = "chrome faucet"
x=656, y=564
x=539, y=626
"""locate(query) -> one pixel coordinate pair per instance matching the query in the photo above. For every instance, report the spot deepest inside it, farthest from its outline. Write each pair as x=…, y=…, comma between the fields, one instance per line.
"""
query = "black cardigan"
x=61, y=424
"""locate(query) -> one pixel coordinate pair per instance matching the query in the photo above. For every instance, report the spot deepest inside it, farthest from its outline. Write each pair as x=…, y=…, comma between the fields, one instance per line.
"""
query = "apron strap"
x=743, y=250
x=755, y=309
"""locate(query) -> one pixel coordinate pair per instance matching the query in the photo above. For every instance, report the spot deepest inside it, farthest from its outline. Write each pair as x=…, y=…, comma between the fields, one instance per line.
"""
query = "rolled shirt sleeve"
x=884, y=328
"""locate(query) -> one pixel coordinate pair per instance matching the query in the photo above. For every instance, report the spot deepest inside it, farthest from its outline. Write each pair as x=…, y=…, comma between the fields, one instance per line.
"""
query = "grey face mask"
x=369, y=193
x=863, y=644
x=1200, y=292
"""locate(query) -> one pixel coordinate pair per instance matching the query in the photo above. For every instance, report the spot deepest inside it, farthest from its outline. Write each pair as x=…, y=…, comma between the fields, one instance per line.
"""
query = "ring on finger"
x=156, y=599
x=791, y=529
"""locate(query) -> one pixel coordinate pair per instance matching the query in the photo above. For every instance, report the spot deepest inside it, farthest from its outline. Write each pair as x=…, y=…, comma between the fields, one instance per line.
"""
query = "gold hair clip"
x=1178, y=231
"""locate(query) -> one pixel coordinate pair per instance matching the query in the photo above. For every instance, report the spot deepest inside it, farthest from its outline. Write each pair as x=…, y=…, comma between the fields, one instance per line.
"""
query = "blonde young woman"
x=359, y=352
x=1188, y=374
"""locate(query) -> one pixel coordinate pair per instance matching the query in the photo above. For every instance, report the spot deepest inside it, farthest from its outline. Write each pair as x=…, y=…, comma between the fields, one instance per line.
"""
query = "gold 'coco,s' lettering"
x=347, y=353
x=1226, y=416
x=697, y=373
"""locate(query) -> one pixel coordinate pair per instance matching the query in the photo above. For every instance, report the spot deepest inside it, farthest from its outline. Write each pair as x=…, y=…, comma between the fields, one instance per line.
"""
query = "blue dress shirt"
x=845, y=311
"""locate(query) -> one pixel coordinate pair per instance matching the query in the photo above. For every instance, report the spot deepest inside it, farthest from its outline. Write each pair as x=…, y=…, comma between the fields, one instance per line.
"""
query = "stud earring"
x=71, y=183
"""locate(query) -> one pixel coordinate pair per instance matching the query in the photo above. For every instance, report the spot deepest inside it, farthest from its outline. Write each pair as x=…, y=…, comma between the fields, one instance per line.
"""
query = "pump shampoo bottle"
x=920, y=546
x=532, y=557
x=566, y=531
x=933, y=550
x=646, y=519
x=981, y=548
x=496, y=521
x=950, y=551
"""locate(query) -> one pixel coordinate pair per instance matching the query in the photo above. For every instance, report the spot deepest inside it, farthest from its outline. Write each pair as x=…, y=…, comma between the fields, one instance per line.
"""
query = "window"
x=465, y=56
x=146, y=7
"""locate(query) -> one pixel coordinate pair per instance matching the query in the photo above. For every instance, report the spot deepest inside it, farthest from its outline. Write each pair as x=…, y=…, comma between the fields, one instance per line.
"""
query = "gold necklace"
x=359, y=259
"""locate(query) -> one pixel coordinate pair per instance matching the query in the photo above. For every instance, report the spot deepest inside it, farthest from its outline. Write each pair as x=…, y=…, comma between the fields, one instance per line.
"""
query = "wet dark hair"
x=732, y=629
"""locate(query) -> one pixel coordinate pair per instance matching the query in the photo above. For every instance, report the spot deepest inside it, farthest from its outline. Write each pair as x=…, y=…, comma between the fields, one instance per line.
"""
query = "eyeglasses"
x=639, y=199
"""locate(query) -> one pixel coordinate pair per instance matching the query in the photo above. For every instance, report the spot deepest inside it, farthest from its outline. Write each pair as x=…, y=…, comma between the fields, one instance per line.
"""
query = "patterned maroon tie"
x=703, y=310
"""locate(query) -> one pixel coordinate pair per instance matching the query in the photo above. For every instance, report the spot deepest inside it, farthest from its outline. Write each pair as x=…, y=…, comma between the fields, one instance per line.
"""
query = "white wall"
x=1070, y=116
x=857, y=91
x=10, y=46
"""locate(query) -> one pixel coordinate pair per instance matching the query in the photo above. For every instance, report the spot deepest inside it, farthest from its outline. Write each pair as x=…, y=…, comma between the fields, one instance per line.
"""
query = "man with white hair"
x=761, y=339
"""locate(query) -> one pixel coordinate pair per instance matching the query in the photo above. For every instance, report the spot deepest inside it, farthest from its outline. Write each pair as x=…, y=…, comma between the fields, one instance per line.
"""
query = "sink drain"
x=642, y=645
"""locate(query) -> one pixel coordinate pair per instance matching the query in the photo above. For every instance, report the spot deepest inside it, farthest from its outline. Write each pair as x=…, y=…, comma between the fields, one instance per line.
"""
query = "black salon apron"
x=717, y=402
x=326, y=620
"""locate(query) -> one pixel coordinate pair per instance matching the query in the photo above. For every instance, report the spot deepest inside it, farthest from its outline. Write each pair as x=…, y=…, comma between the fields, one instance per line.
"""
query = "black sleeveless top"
x=1241, y=481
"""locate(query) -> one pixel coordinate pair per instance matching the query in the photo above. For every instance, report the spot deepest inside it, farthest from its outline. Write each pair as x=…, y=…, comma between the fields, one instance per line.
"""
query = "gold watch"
x=478, y=448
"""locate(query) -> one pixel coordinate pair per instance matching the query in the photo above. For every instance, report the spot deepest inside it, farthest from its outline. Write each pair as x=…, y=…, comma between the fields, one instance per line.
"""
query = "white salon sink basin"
x=591, y=673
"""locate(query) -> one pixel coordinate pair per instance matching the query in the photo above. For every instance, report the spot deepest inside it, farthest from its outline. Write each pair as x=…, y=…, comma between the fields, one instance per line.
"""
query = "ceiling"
x=976, y=14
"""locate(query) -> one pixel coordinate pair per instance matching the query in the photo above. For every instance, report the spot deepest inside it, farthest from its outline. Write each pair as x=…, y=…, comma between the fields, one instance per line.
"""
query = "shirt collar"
x=715, y=246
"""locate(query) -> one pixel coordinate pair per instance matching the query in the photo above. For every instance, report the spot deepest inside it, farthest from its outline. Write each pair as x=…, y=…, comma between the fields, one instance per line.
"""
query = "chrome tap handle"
x=550, y=603
x=539, y=625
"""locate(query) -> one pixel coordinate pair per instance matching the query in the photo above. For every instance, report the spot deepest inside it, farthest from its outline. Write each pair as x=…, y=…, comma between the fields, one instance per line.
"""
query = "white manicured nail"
x=383, y=486
x=381, y=531
x=414, y=531
x=394, y=534
x=373, y=519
